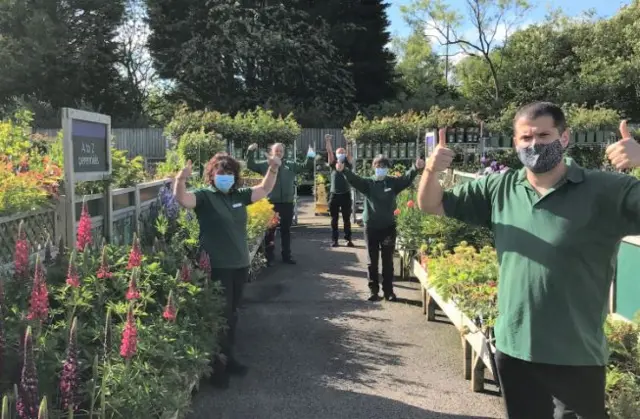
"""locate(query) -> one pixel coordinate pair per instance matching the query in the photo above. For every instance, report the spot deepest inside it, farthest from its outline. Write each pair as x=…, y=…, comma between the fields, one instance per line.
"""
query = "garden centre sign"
x=87, y=157
x=86, y=144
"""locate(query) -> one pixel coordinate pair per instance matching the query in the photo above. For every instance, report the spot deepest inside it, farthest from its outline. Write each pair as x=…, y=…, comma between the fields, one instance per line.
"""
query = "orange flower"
x=410, y=203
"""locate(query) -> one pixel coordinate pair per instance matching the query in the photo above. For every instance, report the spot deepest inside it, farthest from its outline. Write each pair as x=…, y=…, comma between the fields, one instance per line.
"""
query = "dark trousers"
x=380, y=242
x=286, y=218
x=542, y=391
x=232, y=281
x=340, y=203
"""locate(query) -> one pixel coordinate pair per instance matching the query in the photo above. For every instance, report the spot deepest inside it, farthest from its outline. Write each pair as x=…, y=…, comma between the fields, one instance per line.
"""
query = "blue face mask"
x=381, y=171
x=224, y=183
x=341, y=156
x=311, y=153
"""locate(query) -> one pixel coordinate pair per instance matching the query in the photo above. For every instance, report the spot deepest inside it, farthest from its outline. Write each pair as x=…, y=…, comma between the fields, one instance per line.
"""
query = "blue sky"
x=570, y=7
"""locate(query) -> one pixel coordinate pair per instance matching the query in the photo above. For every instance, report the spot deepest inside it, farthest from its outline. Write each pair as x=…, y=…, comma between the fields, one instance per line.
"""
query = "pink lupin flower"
x=73, y=279
x=204, y=263
x=69, y=379
x=185, y=271
x=84, y=229
x=132, y=292
x=39, y=302
x=103, y=270
x=135, y=256
x=129, y=344
x=169, y=312
x=27, y=401
x=21, y=255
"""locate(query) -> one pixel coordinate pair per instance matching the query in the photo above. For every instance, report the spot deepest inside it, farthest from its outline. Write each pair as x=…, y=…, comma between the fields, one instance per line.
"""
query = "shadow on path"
x=318, y=350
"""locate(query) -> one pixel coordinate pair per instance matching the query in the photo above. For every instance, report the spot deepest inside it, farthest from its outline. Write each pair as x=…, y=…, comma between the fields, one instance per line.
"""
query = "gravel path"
x=318, y=350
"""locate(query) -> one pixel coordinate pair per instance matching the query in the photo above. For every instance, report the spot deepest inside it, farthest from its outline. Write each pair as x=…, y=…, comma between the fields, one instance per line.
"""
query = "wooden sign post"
x=87, y=157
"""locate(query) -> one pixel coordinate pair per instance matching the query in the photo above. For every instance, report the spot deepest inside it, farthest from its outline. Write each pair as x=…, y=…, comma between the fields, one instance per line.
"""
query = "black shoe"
x=374, y=297
x=335, y=243
x=350, y=244
x=289, y=261
x=390, y=297
x=236, y=368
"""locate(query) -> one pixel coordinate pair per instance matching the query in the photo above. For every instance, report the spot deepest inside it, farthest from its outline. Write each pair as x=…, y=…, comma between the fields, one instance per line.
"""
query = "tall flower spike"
x=170, y=309
x=84, y=229
x=6, y=412
x=73, y=279
x=39, y=302
x=185, y=271
x=27, y=401
x=129, y=344
x=204, y=263
x=103, y=270
x=21, y=255
x=108, y=335
x=135, y=256
x=132, y=292
x=69, y=379
x=43, y=411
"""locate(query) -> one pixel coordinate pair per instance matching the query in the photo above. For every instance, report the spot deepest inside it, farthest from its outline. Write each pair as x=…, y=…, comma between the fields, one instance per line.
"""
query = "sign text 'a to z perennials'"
x=90, y=146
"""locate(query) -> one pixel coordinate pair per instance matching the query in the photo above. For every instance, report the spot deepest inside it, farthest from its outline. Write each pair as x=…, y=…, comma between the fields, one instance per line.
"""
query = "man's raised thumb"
x=624, y=130
x=442, y=137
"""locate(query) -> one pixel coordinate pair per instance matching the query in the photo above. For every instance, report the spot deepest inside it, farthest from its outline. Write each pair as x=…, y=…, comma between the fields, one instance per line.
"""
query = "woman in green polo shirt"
x=380, y=193
x=221, y=210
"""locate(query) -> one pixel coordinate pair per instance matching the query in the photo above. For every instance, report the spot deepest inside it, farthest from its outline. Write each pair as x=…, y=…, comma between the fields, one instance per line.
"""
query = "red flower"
x=103, y=270
x=69, y=379
x=132, y=292
x=185, y=271
x=396, y=212
x=410, y=203
x=73, y=279
x=135, y=256
x=205, y=263
x=39, y=302
x=84, y=229
x=170, y=309
x=492, y=284
x=21, y=256
x=27, y=402
x=129, y=344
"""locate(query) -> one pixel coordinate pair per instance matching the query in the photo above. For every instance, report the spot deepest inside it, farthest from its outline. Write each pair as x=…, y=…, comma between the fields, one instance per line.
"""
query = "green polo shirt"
x=284, y=190
x=339, y=184
x=380, y=196
x=556, y=255
x=223, y=226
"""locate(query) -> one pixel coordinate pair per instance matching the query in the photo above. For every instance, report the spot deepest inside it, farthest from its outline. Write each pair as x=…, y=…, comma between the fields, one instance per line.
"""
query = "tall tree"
x=490, y=23
x=62, y=53
x=230, y=56
x=359, y=30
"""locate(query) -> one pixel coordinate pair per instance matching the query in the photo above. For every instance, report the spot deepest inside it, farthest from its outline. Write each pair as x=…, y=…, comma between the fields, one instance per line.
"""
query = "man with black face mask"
x=557, y=227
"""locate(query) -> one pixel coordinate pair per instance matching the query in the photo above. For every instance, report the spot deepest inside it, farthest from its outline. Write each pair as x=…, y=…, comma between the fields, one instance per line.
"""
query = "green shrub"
x=258, y=126
x=199, y=146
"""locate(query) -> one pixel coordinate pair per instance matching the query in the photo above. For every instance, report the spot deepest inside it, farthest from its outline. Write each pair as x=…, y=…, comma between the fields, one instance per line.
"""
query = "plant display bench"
x=475, y=346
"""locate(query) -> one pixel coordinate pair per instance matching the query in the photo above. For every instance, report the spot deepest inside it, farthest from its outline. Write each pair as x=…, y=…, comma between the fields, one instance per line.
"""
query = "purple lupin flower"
x=494, y=165
x=27, y=402
x=169, y=203
x=69, y=377
x=483, y=160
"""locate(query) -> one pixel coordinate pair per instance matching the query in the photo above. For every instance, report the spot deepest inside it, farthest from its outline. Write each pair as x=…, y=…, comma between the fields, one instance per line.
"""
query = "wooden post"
x=424, y=299
x=477, y=373
x=466, y=358
x=107, y=226
x=431, y=308
x=136, y=201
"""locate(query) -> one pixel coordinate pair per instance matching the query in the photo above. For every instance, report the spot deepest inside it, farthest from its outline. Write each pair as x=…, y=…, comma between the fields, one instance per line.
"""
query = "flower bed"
x=107, y=331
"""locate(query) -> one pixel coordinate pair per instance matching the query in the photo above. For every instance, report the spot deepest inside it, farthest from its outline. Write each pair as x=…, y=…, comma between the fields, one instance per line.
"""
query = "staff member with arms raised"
x=221, y=209
x=282, y=197
x=380, y=193
x=340, y=192
x=557, y=227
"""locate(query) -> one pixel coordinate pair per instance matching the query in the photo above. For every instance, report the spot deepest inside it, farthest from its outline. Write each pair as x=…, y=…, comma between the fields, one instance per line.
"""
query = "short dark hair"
x=537, y=109
x=381, y=160
x=222, y=162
